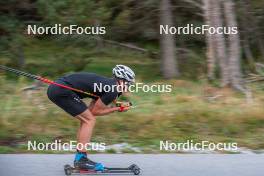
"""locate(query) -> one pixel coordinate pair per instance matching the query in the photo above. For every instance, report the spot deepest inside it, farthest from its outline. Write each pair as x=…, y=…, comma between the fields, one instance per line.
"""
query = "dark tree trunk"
x=234, y=53
x=221, y=49
x=210, y=42
x=167, y=43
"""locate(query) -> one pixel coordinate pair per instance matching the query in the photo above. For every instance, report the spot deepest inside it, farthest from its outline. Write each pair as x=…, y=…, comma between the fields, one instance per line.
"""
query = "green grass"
x=185, y=113
x=55, y=58
x=176, y=116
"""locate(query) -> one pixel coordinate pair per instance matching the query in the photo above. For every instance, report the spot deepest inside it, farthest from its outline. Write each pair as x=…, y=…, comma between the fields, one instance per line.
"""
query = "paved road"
x=152, y=165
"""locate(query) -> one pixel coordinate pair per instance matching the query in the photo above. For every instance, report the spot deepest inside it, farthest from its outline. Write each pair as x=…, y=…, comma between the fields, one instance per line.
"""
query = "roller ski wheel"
x=68, y=169
x=135, y=169
x=132, y=166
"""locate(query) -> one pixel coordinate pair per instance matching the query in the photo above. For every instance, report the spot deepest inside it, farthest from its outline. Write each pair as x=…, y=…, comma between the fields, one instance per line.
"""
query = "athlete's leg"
x=81, y=122
x=72, y=104
x=78, y=132
x=87, y=123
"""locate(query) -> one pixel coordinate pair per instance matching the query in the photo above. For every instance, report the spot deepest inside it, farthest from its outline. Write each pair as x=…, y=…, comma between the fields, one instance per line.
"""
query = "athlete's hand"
x=123, y=108
x=123, y=103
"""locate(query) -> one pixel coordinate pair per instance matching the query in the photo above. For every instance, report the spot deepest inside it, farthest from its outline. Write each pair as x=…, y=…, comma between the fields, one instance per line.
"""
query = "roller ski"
x=83, y=165
x=133, y=169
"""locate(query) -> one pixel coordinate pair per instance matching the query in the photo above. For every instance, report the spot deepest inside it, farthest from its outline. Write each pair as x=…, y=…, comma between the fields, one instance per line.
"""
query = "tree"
x=234, y=54
x=221, y=49
x=167, y=43
x=210, y=53
x=224, y=48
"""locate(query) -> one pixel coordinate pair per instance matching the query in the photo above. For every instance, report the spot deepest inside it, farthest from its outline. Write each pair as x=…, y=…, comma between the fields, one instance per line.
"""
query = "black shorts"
x=66, y=99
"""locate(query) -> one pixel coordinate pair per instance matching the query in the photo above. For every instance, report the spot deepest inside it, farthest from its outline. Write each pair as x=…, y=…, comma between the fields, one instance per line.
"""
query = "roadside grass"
x=177, y=116
x=190, y=111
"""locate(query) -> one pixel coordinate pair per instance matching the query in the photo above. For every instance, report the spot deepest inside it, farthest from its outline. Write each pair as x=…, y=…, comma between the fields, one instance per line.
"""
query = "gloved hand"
x=123, y=108
x=123, y=103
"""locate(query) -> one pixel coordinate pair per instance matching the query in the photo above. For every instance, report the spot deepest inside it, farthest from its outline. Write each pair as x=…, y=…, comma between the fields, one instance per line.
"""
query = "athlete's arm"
x=100, y=109
x=92, y=103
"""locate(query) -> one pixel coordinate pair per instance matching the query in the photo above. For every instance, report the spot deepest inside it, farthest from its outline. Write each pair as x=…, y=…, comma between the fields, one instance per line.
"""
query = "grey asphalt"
x=151, y=164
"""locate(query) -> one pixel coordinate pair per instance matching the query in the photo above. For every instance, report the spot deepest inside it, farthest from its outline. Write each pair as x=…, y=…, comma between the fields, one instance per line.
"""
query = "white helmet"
x=124, y=72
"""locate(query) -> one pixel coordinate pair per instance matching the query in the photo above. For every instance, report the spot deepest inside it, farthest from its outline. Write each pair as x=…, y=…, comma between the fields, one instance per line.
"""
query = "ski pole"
x=45, y=80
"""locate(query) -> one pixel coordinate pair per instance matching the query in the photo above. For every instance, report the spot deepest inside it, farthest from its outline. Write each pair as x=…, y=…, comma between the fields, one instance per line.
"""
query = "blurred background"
x=218, y=93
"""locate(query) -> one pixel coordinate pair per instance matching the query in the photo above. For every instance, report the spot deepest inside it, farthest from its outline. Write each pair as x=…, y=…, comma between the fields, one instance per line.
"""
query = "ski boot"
x=82, y=162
